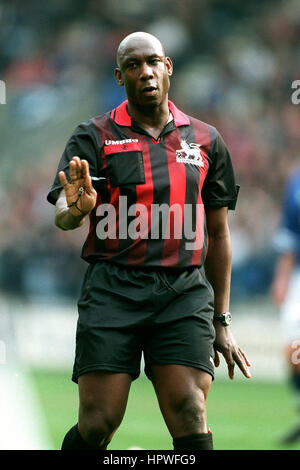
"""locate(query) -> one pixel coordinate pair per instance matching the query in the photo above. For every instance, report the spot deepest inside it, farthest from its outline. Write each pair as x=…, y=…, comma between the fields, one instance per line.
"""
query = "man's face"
x=145, y=72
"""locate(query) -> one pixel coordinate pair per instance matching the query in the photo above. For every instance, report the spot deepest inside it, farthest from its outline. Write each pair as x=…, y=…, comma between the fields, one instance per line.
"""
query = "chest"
x=138, y=160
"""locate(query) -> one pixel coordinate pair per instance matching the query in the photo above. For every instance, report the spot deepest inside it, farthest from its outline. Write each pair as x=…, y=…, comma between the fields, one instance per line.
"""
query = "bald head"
x=144, y=70
x=140, y=39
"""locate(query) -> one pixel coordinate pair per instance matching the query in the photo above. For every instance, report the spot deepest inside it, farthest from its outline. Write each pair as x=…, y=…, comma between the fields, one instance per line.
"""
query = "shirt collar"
x=121, y=117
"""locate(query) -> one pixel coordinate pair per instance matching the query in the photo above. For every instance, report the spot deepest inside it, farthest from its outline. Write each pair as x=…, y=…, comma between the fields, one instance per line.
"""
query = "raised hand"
x=80, y=195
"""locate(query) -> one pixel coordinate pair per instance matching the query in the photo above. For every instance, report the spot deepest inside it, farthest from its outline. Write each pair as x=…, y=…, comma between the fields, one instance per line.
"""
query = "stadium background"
x=234, y=66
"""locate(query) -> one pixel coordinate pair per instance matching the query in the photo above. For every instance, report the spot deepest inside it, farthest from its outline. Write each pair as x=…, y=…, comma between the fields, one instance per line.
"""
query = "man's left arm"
x=218, y=273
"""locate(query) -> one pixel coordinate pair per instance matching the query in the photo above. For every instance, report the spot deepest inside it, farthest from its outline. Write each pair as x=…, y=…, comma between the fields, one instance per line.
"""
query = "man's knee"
x=182, y=393
x=190, y=409
x=97, y=425
x=103, y=397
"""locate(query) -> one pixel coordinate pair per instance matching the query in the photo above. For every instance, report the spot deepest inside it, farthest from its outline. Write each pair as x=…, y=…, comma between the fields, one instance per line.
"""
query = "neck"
x=154, y=117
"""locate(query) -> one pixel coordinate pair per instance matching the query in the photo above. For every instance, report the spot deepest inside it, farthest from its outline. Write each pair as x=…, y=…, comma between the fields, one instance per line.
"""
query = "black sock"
x=201, y=441
x=74, y=441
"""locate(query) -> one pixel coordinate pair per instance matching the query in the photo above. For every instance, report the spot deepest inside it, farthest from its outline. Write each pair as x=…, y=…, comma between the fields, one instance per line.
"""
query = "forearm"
x=218, y=269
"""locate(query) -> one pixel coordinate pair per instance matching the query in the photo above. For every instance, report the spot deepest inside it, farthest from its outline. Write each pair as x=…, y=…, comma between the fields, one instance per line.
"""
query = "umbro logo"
x=121, y=142
x=189, y=153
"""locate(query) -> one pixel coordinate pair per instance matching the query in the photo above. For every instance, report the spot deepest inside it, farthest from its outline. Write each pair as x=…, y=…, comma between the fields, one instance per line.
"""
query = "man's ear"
x=118, y=77
x=169, y=65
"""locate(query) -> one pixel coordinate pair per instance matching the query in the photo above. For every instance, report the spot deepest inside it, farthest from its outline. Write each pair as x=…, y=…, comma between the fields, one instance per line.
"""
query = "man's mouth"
x=148, y=90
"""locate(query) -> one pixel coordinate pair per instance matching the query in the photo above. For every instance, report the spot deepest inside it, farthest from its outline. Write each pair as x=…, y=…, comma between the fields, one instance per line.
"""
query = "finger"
x=86, y=175
x=78, y=167
x=85, y=168
x=63, y=179
x=244, y=356
x=77, y=160
x=230, y=364
x=88, y=184
x=240, y=361
x=216, y=359
x=73, y=171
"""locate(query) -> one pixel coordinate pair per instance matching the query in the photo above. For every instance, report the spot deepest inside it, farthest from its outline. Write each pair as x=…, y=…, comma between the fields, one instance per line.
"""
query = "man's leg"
x=182, y=392
x=102, y=402
x=292, y=357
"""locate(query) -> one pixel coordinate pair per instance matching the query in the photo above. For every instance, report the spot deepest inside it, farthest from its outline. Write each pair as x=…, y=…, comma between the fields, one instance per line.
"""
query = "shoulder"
x=204, y=128
x=90, y=125
x=199, y=124
x=90, y=130
x=102, y=121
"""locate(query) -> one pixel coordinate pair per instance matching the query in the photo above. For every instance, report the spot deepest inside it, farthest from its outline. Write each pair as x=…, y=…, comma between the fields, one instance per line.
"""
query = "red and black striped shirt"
x=150, y=209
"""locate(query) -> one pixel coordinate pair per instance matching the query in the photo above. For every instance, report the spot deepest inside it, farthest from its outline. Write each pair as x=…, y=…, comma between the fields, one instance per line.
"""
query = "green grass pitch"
x=242, y=414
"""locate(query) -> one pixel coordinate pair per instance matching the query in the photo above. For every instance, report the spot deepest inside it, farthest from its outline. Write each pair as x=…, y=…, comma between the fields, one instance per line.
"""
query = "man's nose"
x=146, y=71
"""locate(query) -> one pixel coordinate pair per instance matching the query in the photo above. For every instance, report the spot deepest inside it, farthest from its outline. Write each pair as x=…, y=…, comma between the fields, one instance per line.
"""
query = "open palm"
x=80, y=185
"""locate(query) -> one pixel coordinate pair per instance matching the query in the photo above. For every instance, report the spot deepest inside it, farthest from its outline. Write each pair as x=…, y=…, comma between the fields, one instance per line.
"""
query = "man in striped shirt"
x=156, y=185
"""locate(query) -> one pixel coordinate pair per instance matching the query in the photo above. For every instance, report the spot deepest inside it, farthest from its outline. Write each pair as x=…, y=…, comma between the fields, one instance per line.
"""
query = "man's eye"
x=132, y=65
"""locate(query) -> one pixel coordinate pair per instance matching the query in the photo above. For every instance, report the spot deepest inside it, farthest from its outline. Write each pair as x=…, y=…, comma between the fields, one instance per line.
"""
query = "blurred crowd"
x=234, y=66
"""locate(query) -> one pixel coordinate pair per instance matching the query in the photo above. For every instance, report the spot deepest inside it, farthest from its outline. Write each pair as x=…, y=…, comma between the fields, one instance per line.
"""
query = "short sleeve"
x=219, y=188
x=84, y=143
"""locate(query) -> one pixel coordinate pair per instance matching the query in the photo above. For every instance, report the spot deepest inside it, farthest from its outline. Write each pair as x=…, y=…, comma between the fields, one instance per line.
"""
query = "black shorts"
x=124, y=312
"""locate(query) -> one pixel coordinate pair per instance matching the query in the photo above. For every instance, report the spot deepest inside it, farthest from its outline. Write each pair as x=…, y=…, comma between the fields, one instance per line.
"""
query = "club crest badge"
x=189, y=153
